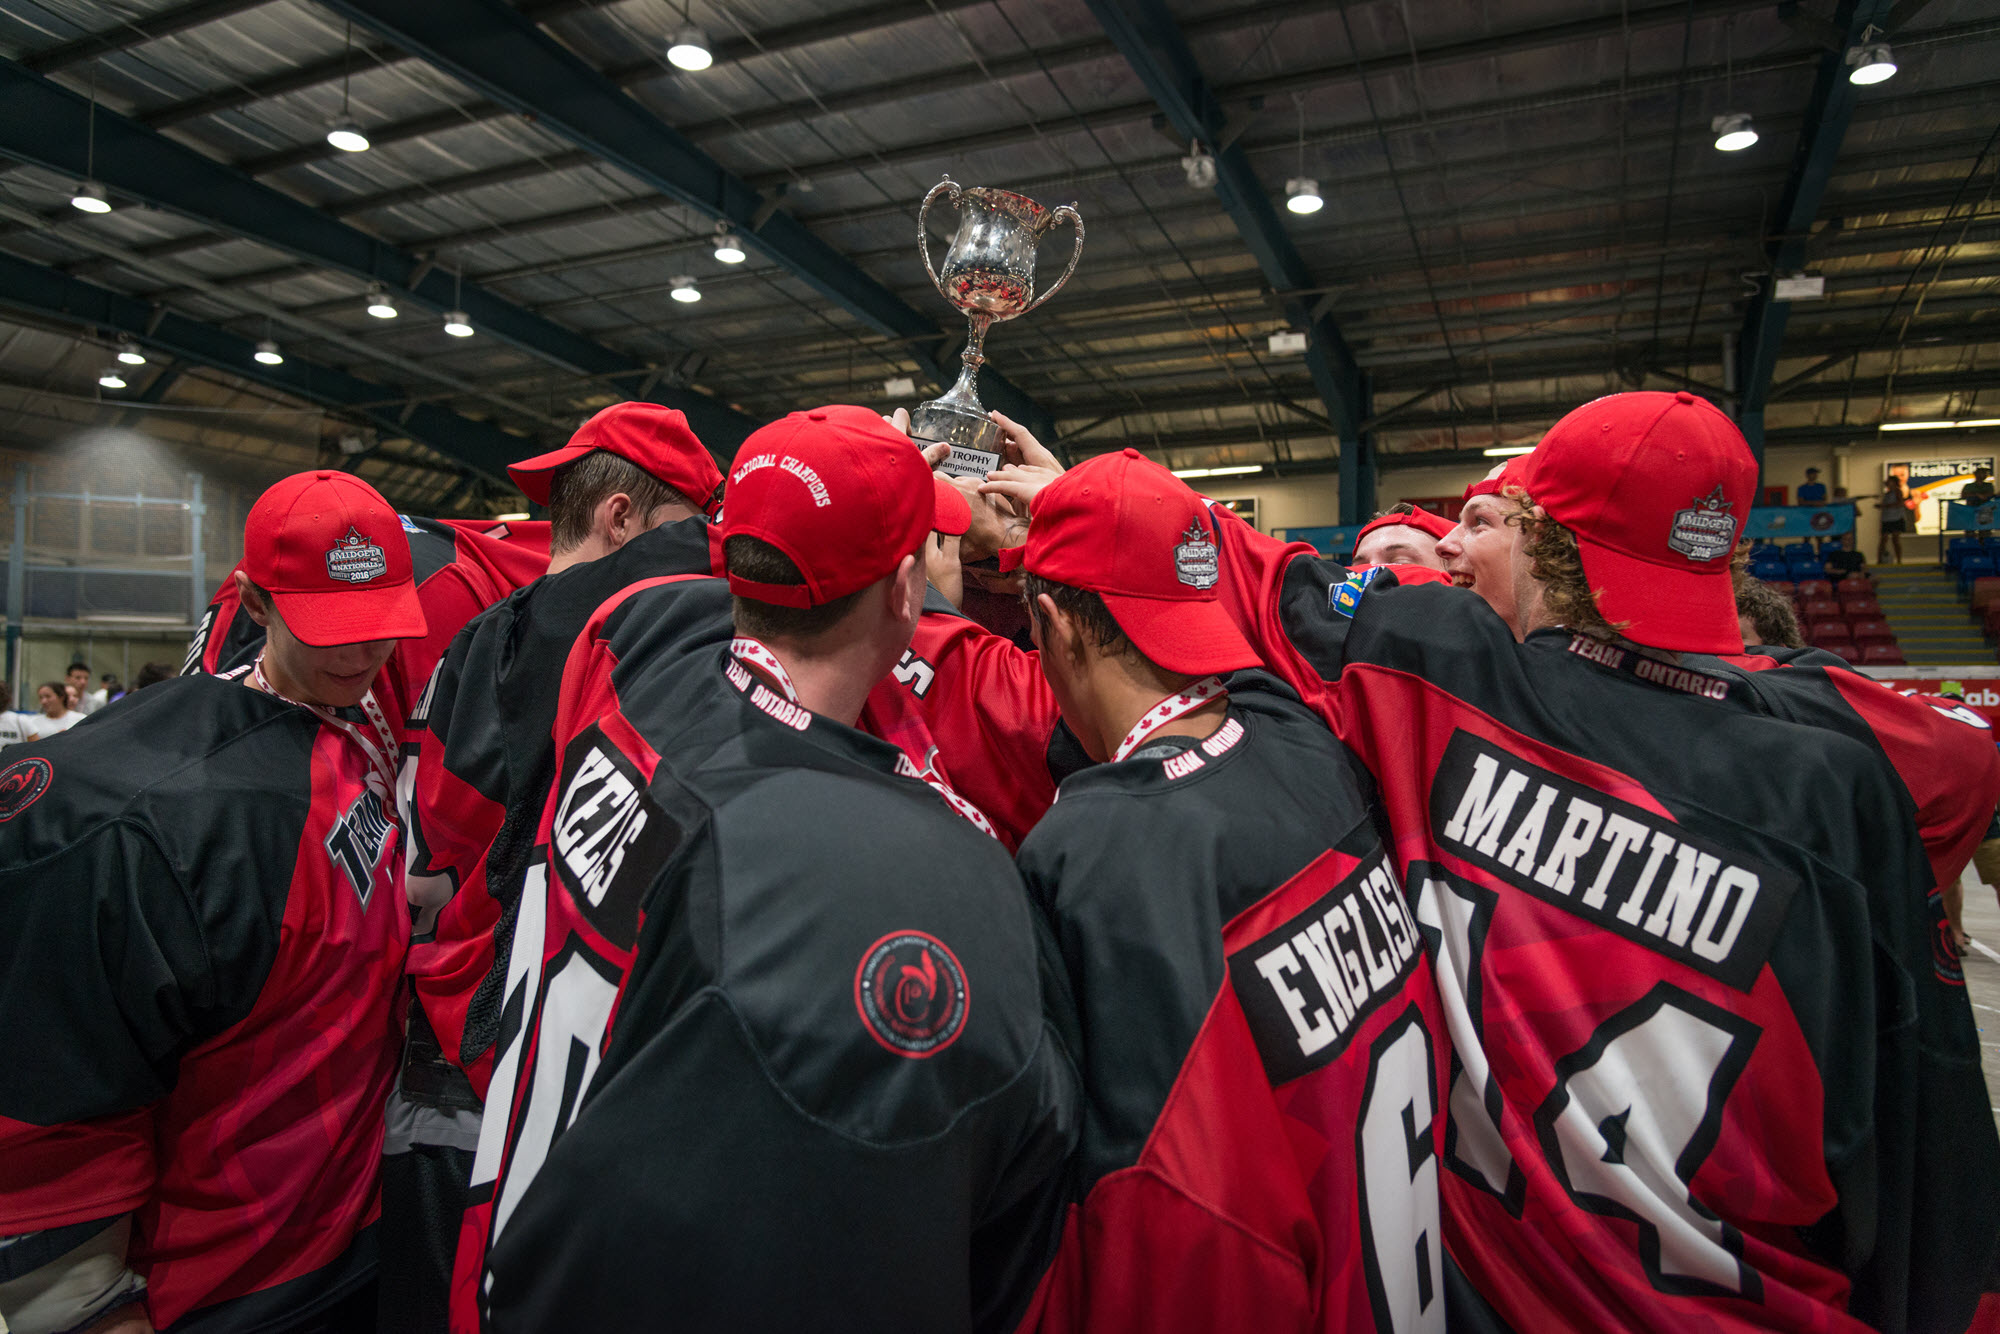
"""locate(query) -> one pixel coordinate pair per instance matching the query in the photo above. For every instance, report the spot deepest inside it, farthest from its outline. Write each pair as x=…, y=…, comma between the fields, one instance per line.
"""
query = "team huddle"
x=834, y=895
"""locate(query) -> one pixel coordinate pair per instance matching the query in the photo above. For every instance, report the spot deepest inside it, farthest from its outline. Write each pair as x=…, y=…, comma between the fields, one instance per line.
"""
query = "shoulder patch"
x=22, y=785
x=1344, y=597
x=911, y=994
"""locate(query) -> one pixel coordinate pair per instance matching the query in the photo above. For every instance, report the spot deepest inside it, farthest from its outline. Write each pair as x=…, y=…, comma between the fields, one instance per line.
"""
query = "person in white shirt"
x=56, y=715
x=13, y=725
x=78, y=677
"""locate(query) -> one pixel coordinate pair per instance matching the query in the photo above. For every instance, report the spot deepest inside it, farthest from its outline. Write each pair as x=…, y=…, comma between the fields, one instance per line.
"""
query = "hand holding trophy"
x=989, y=273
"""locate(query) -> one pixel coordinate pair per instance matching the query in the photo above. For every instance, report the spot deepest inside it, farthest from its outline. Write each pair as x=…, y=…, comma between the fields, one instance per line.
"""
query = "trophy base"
x=971, y=435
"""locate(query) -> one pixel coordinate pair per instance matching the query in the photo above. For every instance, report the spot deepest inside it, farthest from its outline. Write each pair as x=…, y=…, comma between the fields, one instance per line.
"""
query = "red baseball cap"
x=1656, y=487
x=1131, y=532
x=1514, y=473
x=332, y=554
x=1418, y=518
x=657, y=439
x=842, y=493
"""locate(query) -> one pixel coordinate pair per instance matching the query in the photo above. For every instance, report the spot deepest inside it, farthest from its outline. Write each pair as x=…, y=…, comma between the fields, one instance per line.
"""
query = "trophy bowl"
x=989, y=274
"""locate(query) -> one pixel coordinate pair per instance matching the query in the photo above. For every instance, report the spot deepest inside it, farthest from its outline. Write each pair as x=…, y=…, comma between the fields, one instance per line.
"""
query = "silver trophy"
x=989, y=273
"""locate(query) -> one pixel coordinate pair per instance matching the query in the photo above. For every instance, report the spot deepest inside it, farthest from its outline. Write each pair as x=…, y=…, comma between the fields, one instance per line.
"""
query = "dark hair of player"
x=152, y=673
x=1557, y=565
x=1086, y=608
x=753, y=558
x=1400, y=507
x=1770, y=611
x=577, y=489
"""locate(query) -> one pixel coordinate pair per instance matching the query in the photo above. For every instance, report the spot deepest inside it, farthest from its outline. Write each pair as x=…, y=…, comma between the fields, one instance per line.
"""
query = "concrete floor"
x=1982, y=980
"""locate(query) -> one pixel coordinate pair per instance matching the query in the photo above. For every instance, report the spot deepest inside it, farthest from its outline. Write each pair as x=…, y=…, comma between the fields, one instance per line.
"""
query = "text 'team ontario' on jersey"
x=1262, y=1044
x=204, y=937
x=1705, y=1072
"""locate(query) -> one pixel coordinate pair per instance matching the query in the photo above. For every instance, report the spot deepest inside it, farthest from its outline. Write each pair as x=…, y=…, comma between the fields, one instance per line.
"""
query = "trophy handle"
x=1076, y=254
x=945, y=186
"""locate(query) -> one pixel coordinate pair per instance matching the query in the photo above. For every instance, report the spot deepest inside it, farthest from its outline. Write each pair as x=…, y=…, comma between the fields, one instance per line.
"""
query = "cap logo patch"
x=355, y=560
x=1706, y=530
x=911, y=992
x=1196, y=561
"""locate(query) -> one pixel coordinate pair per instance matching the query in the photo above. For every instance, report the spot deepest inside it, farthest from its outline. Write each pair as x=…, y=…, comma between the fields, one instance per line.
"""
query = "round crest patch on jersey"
x=911, y=993
x=22, y=784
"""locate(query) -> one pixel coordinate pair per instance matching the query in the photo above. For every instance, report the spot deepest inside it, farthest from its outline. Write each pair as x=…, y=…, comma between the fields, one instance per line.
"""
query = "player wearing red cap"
x=1402, y=535
x=1706, y=1072
x=629, y=498
x=205, y=933
x=1262, y=1044
x=748, y=936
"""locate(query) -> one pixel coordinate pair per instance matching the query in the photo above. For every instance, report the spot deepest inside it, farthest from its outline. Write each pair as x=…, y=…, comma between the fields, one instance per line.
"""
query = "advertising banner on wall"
x=1932, y=482
x=1979, y=685
x=1791, y=523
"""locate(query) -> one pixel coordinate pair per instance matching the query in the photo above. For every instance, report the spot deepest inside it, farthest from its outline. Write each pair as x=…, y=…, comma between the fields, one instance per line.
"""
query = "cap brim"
x=949, y=513
x=534, y=475
x=1011, y=558
x=1684, y=610
x=353, y=615
x=1187, y=637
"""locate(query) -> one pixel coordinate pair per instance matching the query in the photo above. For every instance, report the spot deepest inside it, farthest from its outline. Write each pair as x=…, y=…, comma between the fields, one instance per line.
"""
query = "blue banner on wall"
x=1328, y=540
x=1798, y=522
x=1971, y=518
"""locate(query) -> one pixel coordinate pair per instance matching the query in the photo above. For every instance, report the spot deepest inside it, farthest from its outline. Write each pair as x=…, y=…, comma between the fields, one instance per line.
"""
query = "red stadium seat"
x=1874, y=631
x=1820, y=609
x=1882, y=655
x=1825, y=634
x=1785, y=586
x=1860, y=609
x=1814, y=588
x=1855, y=583
x=1985, y=590
x=1846, y=652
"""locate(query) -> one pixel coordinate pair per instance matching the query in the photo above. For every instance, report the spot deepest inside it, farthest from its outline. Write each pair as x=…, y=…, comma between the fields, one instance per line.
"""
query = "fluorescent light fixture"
x=684, y=288
x=90, y=198
x=380, y=305
x=1287, y=342
x=688, y=50
x=1232, y=470
x=129, y=353
x=1302, y=195
x=1961, y=423
x=267, y=353
x=899, y=386
x=1872, y=63
x=1732, y=131
x=458, y=324
x=510, y=518
x=347, y=137
x=1801, y=287
x=110, y=378
x=1981, y=421
x=729, y=248
x=1507, y=451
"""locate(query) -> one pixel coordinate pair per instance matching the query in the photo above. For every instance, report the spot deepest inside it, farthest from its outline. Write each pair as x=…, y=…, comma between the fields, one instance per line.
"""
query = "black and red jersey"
x=484, y=757
x=462, y=567
x=1262, y=1047
x=204, y=935
x=776, y=1052
x=1706, y=1071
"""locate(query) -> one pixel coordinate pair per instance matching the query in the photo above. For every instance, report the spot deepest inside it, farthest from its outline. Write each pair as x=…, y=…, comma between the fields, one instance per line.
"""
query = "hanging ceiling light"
x=380, y=305
x=129, y=353
x=1199, y=167
x=458, y=324
x=1872, y=63
x=1302, y=195
x=267, y=353
x=684, y=288
x=688, y=49
x=111, y=379
x=90, y=198
x=728, y=245
x=1732, y=132
x=347, y=137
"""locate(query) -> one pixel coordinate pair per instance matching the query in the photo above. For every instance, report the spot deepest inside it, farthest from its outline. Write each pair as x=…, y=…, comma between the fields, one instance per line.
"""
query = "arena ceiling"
x=1524, y=208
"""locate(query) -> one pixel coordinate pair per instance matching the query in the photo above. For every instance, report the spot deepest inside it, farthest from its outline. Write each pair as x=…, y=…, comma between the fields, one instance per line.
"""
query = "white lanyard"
x=378, y=756
x=764, y=661
x=1168, y=709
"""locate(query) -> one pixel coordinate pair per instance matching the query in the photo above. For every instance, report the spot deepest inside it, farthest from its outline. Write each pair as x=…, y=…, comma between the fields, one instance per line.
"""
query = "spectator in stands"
x=1978, y=491
x=1812, y=491
x=56, y=715
x=1840, y=557
x=1895, y=505
x=1403, y=534
x=1766, y=615
x=13, y=726
x=78, y=677
x=153, y=673
x=110, y=687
